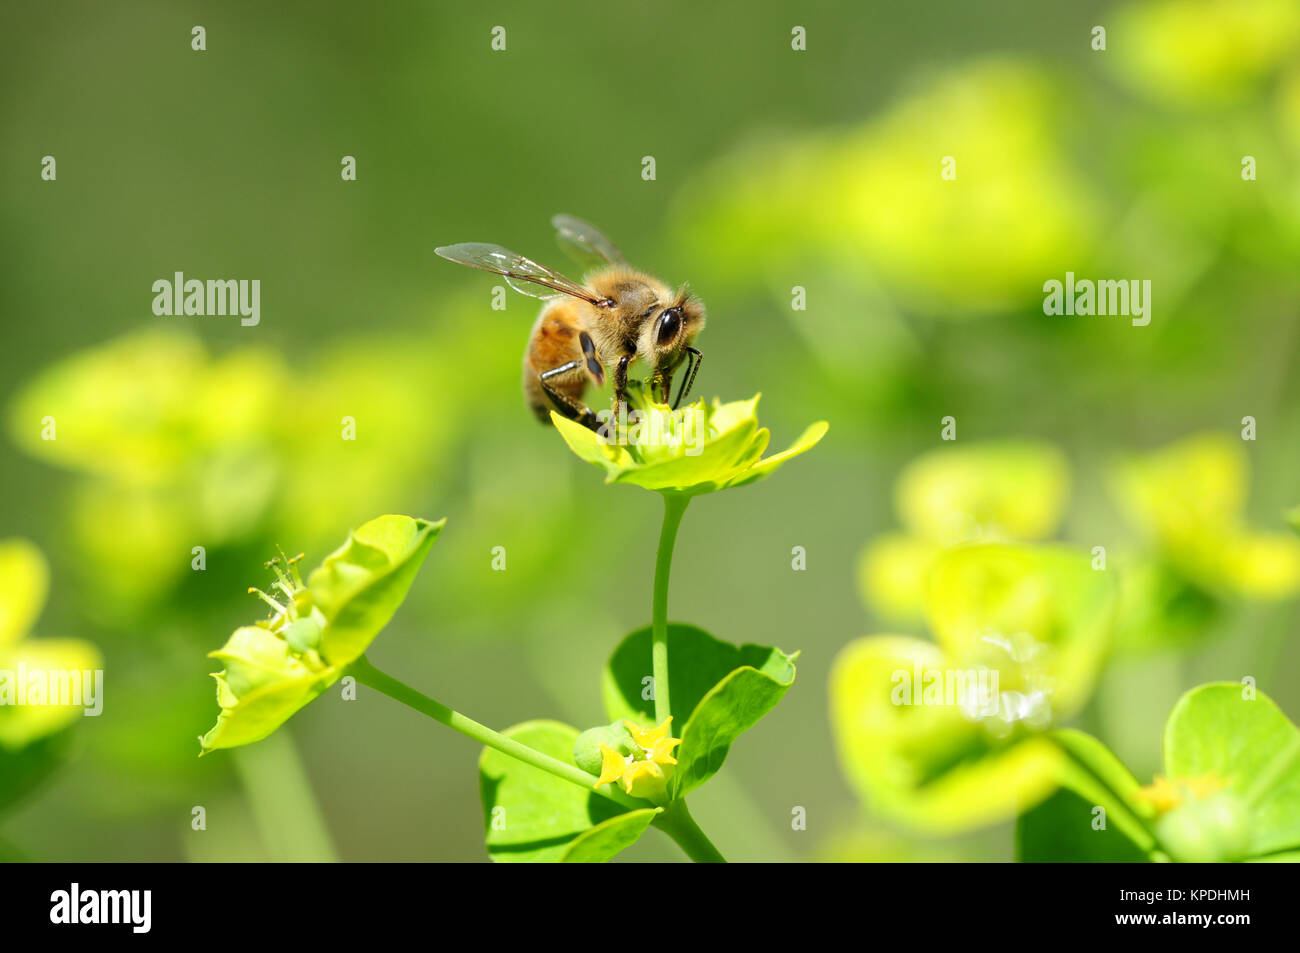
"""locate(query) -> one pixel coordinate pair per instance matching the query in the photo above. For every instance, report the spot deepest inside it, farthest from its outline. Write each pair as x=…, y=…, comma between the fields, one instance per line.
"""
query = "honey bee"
x=618, y=315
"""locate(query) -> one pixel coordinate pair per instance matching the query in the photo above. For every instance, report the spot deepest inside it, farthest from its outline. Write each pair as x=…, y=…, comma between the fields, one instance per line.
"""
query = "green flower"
x=1197, y=552
x=867, y=206
x=1188, y=500
x=316, y=630
x=949, y=735
x=1206, y=52
x=697, y=449
x=1012, y=491
x=170, y=443
x=24, y=581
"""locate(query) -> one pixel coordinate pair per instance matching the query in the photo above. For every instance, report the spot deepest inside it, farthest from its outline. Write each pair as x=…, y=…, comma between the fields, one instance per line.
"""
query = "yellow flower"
x=1165, y=795
x=1197, y=819
x=979, y=492
x=1189, y=500
x=700, y=448
x=27, y=661
x=644, y=772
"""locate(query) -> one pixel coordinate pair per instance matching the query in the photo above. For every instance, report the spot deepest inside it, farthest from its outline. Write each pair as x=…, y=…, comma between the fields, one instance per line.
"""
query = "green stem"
x=367, y=674
x=676, y=820
x=283, y=804
x=674, y=506
x=677, y=823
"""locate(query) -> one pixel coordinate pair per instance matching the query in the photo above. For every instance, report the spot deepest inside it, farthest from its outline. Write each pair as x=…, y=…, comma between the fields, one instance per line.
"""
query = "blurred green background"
x=775, y=169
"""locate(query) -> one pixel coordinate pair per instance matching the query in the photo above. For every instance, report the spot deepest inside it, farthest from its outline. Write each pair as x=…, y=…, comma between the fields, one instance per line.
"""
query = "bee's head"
x=671, y=331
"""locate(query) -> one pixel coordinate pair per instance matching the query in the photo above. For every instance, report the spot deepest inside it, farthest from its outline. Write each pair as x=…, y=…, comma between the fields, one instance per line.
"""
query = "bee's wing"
x=585, y=243
x=519, y=272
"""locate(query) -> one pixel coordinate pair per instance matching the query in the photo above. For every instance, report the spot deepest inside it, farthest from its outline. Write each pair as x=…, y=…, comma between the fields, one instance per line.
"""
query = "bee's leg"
x=620, y=391
x=691, y=371
x=568, y=406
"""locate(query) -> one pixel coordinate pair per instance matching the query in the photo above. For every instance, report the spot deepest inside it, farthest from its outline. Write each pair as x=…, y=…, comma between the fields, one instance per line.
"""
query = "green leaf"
x=731, y=708
x=609, y=838
x=1093, y=774
x=1060, y=829
x=696, y=663
x=360, y=585
x=1095, y=765
x=718, y=691
x=532, y=816
x=1251, y=745
x=25, y=768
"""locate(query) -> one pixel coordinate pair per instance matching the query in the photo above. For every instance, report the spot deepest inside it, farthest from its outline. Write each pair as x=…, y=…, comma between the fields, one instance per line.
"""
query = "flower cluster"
x=644, y=764
x=697, y=449
x=276, y=666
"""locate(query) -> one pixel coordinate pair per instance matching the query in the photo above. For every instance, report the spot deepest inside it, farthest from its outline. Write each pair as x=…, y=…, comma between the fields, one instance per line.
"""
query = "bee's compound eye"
x=669, y=324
